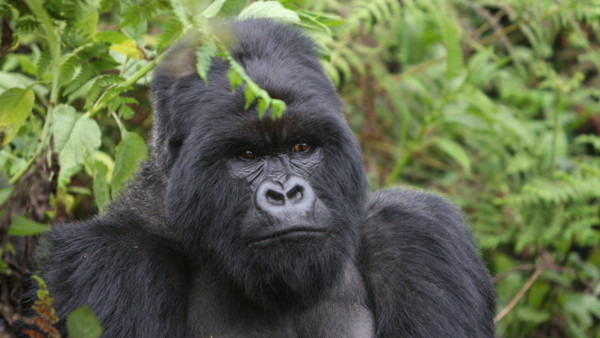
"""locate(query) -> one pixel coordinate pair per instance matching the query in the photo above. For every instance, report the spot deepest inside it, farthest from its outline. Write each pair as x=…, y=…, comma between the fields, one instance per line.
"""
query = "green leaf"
x=111, y=37
x=87, y=20
x=249, y=95
x=15, y=107
x=50, y=31
x=10, y=80
x=213, y=9
x=532, y=315
x=121, y=43
x=40, y=282
x=21, y=226
x=101, y=185
x=262, y=105
x=100, y=166
x=128, y=48
x=277, y=108
x=455, y=151
x=232, y=7
x=4, y=194
x=180, y=12
x=130, y=152
x=204, y=55
x=235, y=80
x=451, y=34
x=63, y=121
x=171, y=31
x=81, y=323
x=83, y=141
x=269, y=9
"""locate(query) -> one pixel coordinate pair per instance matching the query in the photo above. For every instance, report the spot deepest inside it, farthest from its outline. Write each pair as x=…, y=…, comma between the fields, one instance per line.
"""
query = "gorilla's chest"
x=215, y=310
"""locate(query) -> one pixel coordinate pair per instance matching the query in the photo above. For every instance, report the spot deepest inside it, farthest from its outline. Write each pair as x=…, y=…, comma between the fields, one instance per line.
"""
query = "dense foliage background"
x=495, y=104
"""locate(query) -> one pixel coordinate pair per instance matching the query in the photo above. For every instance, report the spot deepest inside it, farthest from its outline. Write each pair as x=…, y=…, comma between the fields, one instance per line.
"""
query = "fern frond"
x=26, y=24
x=111, y=94
x=125, y=112
x=86, y=72
x=68, y=69
x=546, y=191
x=42, y=62
x=371, y=13
x=121, y=105
x=171, y=31
x=134, y=12
x=98, y=84
x=593, y=140
x=581, y=224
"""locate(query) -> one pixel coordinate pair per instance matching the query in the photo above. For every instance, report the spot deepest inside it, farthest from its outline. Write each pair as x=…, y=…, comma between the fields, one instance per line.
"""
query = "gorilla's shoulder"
x=408, y=202
x=416, y=255
x=110, y=261
x=101, y=244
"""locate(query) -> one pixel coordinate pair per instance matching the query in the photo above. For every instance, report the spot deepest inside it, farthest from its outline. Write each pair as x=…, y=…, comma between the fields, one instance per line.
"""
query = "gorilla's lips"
x=293, y=234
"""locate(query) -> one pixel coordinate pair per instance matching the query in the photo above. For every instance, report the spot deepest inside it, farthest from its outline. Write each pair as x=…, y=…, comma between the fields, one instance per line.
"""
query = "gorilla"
x=240, y=226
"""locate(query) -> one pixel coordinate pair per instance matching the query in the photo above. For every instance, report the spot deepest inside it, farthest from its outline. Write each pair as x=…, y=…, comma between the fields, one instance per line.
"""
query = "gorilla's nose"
x=294, y=195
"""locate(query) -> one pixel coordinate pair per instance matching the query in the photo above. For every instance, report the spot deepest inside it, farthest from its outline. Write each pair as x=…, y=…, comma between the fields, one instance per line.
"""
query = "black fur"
x=190, y=249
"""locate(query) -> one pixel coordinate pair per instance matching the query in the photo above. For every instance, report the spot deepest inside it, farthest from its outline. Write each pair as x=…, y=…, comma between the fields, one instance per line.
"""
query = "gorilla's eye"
x=247, y=155
x=300, y=147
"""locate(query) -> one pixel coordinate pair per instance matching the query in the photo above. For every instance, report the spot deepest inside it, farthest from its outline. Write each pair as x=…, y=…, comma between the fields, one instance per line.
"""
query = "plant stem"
x=100, y=104
x=54, y=46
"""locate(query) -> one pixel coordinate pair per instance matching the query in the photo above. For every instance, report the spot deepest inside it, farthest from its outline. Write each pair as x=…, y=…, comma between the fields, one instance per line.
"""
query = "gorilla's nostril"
x=295, y=194
x=275, y=198
x=290, y=198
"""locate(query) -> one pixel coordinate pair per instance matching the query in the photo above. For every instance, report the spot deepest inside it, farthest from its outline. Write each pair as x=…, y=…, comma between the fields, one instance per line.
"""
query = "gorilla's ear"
x=177, y=91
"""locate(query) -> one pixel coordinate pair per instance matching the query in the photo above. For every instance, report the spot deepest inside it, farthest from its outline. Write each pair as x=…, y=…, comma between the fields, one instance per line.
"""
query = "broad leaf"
x=83, y=141
x=81, y=323
x=21, y=226
x=121, y=43
x=130, y=152
x=455, y=151
x=63, y=121
x=452, y=35
x=15, y=107
x=101, y=186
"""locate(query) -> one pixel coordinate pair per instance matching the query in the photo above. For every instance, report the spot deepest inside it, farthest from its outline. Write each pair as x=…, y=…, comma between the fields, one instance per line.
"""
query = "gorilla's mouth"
x=295, y=234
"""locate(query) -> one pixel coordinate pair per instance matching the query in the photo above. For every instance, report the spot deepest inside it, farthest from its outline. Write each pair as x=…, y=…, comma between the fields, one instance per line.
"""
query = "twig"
x=519, y=295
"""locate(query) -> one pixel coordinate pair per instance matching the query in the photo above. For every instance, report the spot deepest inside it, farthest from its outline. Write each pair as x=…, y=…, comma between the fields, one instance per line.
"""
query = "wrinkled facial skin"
x=285, y=207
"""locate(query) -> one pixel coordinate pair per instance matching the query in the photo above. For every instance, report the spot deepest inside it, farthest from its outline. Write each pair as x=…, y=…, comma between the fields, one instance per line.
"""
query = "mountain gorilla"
x=239, y=226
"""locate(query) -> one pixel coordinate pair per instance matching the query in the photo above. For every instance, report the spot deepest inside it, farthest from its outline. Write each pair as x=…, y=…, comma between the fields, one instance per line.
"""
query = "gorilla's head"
x=273, y=203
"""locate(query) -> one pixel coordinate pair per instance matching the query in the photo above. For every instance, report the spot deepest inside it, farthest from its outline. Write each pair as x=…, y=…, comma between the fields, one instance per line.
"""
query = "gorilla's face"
x=284, y=210
x=274, y=204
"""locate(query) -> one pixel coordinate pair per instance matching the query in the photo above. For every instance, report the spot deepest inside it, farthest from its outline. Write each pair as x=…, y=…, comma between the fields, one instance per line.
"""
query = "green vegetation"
x=495, y=104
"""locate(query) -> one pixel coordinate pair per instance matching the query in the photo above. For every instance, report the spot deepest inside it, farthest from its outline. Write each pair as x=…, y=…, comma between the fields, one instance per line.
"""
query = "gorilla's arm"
x=130, y=279
x=422, y=269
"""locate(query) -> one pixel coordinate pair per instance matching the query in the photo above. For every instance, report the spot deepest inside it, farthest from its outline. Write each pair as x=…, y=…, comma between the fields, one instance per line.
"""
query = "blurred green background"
x=494, y=104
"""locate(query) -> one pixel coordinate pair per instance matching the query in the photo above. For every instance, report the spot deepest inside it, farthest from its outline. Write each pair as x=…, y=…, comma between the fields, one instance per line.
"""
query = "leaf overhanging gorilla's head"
x=274, y=203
